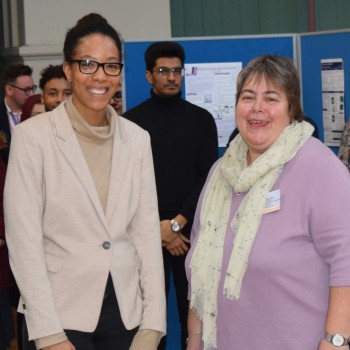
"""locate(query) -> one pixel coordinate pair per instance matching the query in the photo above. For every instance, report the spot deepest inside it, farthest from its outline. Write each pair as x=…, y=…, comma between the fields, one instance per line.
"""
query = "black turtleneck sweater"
x=184, y=145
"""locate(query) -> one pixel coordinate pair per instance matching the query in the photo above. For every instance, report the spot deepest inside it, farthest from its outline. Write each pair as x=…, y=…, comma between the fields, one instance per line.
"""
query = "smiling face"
x=93, y=92
x=262, y=113
x=163, y=84
x=55, y=91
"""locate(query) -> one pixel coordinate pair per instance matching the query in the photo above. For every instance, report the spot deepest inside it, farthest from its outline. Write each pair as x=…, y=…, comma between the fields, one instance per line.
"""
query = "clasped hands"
x=175, y=243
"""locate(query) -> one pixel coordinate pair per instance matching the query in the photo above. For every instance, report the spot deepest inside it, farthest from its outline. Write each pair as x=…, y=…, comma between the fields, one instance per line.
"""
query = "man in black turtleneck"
x=184, y=145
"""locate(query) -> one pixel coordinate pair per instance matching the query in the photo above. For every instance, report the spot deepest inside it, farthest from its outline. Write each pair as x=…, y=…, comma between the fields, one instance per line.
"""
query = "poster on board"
x=332, y=74
x=213, y=86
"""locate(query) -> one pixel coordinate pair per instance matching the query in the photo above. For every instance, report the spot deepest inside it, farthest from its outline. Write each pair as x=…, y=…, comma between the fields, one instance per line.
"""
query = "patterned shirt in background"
x=344, y=149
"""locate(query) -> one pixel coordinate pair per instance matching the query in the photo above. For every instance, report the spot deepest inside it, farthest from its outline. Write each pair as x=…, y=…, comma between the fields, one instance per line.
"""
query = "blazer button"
x=24, y=306
x=106, y=245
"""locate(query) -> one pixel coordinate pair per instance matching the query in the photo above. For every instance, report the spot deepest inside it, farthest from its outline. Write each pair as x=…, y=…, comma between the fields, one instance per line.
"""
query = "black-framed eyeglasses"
x=26, y=90
x=90, y=67
x=165, y=71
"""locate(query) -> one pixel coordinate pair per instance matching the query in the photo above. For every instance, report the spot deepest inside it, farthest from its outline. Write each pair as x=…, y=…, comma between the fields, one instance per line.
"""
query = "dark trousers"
x=7, y=330
x=176, y=265
x=14, y=302
x=110, y=333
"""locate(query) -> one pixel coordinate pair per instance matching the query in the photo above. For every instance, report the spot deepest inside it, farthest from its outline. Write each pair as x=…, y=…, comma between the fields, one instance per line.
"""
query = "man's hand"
x=166, y=233
x=178, y=245
x=174, y=242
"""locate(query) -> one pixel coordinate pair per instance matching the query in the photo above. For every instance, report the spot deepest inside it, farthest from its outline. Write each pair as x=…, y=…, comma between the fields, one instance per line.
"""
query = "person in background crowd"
x=117, y=101
x=33, y=106
x=269, y=263
x=344, y=149
x=55, y=86
x=81, y=214
x=184, y=145
x=18, y=84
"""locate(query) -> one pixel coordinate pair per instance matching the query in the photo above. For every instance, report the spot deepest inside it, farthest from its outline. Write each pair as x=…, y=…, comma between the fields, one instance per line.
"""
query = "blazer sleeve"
x=24, y=200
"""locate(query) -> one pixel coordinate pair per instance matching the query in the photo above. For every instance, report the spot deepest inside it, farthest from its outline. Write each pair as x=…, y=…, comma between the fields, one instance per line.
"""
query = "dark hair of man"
x=49, y=73
x=160, y=49
x=92, y=23
x=14, y=71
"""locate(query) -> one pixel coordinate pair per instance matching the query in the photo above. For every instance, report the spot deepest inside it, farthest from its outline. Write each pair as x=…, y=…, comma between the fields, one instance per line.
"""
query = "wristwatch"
x=336, y=339
x=175, y=226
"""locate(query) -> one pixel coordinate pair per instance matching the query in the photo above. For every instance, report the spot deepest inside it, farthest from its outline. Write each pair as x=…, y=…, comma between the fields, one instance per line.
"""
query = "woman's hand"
x=338, y=316
x=65, y=345
x=325, y=345
x=194, y=327
x=194, y=341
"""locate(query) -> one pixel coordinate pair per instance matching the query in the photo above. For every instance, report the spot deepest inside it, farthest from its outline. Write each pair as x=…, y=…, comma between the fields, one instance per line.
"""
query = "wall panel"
x=238, y=17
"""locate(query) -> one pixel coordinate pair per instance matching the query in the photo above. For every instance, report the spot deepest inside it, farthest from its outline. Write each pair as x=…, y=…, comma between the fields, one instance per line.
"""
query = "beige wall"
x=37, y=38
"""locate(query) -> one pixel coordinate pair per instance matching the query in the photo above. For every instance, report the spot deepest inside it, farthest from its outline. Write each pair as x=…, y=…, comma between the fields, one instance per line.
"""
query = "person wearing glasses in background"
x=81, y=212
x=117, y=101
x=18, y=85
x=184, y=144
x=55, y=86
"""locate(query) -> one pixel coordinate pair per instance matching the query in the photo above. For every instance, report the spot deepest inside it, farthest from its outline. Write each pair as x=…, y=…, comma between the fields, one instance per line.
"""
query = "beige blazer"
x=63, y=246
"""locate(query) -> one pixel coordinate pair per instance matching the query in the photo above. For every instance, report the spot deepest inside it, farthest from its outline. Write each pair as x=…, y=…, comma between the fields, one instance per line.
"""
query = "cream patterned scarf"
x=233, y=174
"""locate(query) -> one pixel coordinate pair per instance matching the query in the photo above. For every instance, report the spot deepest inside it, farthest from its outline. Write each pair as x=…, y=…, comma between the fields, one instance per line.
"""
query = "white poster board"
x=332, y=74
x=213, y=87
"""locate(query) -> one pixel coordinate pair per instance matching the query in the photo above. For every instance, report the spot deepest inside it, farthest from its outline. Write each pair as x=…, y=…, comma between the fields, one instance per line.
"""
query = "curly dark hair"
x=49, y=73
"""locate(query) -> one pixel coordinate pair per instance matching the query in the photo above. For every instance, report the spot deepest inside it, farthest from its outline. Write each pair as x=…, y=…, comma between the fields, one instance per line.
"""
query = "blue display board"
x=312, y=49
x=201, y=50
x=308, y=48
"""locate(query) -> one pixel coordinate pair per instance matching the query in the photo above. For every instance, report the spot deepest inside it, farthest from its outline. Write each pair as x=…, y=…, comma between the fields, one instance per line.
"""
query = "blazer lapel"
x=70, y=147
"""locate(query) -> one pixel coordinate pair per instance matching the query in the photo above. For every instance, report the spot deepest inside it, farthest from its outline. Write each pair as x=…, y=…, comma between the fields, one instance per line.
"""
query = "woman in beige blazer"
x=81, y=212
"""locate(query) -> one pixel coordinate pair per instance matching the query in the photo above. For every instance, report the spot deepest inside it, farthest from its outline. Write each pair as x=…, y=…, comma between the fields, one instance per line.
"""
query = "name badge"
x=273, y=202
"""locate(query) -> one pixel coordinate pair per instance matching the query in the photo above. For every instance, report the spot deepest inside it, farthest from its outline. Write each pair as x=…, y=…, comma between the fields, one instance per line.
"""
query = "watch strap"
x=336, y=339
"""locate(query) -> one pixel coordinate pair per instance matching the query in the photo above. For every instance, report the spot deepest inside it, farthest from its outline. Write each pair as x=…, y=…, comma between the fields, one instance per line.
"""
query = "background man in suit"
x=184, y=145
x=18, y=85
